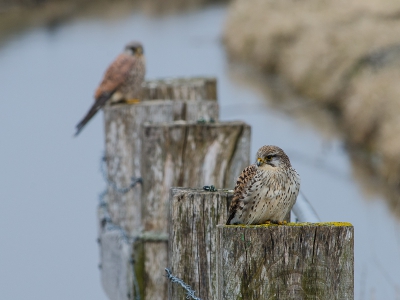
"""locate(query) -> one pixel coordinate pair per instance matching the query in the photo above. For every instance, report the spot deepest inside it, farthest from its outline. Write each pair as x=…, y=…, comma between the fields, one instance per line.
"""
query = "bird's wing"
x=242, y=184
x=115, y=75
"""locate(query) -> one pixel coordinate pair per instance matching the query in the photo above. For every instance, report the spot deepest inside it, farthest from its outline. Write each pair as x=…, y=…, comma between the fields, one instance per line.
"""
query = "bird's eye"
x=269, y=157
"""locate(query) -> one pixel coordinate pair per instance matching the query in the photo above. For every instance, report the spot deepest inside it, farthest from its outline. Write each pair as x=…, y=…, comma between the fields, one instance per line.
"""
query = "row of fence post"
x=174, y=138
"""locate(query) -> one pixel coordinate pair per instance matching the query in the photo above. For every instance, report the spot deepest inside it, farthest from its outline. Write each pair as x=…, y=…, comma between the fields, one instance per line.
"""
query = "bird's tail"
x=100, y=102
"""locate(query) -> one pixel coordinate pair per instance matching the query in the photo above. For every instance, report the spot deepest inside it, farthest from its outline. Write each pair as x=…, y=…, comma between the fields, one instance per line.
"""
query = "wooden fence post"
x=193, y=216
x=120, y=221
x=201, y=88
x=123, y=143
x=295, y=261
x=115, y=257
x=183, y=154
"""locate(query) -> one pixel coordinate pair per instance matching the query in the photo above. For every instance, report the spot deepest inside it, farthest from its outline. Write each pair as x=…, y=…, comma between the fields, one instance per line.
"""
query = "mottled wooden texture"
x=185, y=154
x=307, y=261
x=181, y=88
x=189, y=155
x=123, y=148
x=182, y=99
x=150, y=257
x=193, y=215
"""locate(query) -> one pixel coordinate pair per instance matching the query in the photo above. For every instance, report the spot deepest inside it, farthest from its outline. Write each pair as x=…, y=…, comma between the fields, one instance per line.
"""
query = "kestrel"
x=265, y=191
x=122, y=81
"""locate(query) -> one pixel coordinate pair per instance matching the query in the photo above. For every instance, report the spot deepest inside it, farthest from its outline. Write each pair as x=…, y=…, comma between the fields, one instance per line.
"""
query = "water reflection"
x=372, y=185
x=49, y=180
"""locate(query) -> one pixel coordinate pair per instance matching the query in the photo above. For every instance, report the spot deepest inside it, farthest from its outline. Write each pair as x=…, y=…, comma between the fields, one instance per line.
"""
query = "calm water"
x=50, y=182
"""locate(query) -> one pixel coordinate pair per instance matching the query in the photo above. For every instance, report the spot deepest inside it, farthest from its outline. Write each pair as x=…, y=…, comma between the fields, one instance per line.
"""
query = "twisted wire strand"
x=190, y=294
x=121, y=190
x=110, y=225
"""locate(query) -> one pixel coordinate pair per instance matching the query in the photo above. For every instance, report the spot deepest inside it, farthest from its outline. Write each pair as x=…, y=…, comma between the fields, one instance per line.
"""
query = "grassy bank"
x=18, y=15
x=345, y=55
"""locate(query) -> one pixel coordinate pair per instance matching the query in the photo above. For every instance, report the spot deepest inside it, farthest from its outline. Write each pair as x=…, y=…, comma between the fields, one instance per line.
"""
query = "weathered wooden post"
x=123, y=142
x=115, y=255
x=294, y=261
x=182, y=154
x=193, y=217
x=201, y=88
x=182, y=144
x=179, y=142
x=120, y=219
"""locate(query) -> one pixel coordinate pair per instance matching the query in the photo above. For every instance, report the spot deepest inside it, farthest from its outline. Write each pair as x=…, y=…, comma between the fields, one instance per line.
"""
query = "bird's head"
x=272, y=156
x=134, y=48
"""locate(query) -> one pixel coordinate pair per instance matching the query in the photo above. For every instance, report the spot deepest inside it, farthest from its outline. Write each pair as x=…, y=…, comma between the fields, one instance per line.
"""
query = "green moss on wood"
x=139, y=258
x=311, y=284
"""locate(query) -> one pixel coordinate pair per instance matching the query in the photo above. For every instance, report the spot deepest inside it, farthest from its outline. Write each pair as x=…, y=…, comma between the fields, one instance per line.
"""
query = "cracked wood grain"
x=193, y=215
x=188, y=99
x=181, y=88
x=123, y=148
x=310, y=261
x=190, y=155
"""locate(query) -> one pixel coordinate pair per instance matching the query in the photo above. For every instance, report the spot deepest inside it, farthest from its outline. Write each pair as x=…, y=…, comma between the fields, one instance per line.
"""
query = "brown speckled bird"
x=265, y=191
x=122, y=81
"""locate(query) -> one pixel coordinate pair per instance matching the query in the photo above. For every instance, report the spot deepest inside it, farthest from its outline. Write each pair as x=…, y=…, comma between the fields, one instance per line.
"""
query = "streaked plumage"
x=122, y=81
x=265, y=191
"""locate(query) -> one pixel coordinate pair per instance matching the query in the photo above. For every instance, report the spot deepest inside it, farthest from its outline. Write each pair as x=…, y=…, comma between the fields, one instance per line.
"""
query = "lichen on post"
x=294, y=261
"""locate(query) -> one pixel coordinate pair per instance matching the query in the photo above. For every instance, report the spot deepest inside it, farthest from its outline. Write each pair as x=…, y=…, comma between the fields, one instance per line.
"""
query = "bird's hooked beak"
x=259, y=162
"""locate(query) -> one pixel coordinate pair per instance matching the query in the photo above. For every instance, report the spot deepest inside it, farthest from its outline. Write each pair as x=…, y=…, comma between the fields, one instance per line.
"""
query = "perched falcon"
x=122, y=81
x=266, y=191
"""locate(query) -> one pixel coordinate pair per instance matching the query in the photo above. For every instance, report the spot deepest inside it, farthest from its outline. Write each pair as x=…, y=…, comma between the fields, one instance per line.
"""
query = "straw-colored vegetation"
x=16, y=15
x=345, y=54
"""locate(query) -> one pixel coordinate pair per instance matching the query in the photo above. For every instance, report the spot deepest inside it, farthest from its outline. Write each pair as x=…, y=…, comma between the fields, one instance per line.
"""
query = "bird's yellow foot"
x=282, y=222
x=267, y=222
x=132, y=101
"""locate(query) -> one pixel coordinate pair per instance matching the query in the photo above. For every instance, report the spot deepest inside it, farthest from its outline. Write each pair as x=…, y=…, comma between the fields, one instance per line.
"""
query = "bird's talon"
x=282, y=222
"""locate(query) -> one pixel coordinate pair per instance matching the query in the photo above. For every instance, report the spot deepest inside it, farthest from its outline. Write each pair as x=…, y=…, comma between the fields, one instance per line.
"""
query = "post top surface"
x=329, y=224
x=181, y=80
x=199, y=190
x=183, y=123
